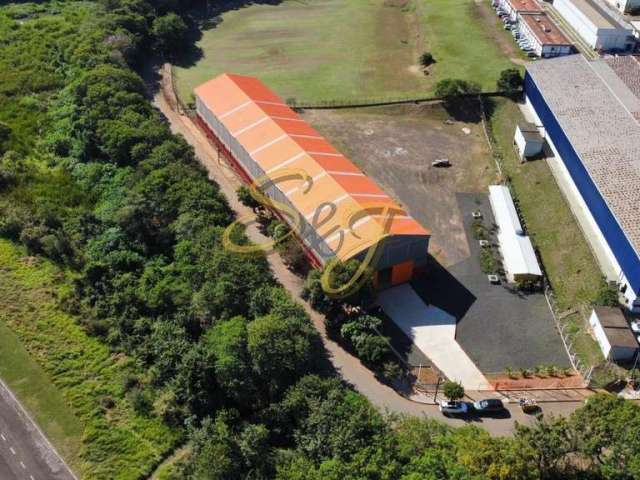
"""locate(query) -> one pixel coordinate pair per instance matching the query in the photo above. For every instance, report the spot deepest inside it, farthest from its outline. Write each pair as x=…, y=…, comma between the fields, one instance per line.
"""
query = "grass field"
x=567, y=258
x=463, y=43
x=65, y=377
x=348, y=49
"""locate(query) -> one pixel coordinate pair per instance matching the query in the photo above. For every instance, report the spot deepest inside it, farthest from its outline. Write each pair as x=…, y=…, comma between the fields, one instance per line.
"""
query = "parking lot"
x=497, y=327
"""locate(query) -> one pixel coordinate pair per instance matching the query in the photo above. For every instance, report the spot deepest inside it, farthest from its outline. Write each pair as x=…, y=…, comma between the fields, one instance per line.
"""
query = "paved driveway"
x=433, y=331
x=497, y=327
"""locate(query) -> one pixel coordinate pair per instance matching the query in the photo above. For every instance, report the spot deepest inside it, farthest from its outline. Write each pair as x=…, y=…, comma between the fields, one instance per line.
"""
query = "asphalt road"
x=25, y=453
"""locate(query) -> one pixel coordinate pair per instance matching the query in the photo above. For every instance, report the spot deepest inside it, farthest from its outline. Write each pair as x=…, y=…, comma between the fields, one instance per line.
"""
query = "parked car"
x=635, y=326
x=489, y=405
x=448, y=407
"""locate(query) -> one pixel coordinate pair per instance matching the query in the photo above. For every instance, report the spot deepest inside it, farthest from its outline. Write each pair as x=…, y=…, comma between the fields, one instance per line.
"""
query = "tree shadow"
x=208, y=17
x=468, y=109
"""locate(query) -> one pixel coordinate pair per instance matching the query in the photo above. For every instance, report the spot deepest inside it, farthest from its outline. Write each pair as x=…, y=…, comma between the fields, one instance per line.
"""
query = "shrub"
x=607, y=295
x=426, y=59
x=510, y=80
x=244, y=196
x=391, y=371
x=371, y=348
x=453, y=390
x=487, y=261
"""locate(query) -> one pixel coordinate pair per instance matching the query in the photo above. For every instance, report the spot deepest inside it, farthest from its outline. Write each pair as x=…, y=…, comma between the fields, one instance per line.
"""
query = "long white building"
x=597, y=27
x=589, y=113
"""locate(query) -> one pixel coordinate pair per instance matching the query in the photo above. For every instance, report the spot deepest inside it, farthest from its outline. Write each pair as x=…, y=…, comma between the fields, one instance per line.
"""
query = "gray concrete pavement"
x=25, y=453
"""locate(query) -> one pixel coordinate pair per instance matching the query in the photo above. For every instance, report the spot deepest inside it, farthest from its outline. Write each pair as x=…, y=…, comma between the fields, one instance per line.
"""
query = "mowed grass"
x=463, y=45
x=344, y=50
x=70, y=382
x=570, y=265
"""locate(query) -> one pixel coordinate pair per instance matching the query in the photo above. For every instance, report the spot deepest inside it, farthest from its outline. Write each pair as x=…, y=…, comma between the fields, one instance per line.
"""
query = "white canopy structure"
x=520, y=262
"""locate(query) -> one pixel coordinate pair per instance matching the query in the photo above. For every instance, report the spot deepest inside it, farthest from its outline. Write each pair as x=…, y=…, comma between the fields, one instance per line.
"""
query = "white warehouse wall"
x=596, y=38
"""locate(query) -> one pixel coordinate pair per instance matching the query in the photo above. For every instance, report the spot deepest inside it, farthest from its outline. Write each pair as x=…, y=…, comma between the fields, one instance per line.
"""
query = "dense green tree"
x=228, y=343
x=170, y=33
x=510, y=81
x=281, y=350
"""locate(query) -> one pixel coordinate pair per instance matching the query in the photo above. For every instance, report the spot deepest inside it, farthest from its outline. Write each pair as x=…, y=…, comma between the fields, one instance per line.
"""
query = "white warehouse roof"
x=517, y=250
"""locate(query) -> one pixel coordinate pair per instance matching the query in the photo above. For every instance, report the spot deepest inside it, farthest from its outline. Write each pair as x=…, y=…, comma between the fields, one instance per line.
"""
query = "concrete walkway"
x=434, y=332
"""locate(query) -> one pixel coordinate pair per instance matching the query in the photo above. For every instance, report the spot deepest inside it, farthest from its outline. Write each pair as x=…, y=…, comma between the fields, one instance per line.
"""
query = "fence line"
x=378, y=102
x=585, y=370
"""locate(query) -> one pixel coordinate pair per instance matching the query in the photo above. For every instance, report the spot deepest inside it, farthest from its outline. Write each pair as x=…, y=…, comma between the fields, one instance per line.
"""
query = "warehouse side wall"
x=612, y=232
x=402, y=253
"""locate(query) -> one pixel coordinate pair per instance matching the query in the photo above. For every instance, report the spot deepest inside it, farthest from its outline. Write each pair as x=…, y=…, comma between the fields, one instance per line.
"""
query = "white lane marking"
x=13, y=452
x=24, y=467
x=4, y=439
x=31, y=477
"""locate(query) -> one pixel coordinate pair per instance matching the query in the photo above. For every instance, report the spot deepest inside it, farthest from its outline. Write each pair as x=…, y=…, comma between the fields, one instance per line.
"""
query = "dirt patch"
x=503, y=382
x=396, y=145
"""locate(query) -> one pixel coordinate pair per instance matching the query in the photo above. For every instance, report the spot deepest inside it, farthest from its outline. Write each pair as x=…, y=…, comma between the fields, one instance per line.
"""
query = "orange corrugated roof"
x=277, y=138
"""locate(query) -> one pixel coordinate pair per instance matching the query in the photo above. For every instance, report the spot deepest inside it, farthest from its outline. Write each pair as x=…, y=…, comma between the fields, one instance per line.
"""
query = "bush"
x=391, y=371
x=453, y=390
x=244, y=195
x=371, y=348
x=452, y=89
x=426, y=59
x=487, y=261
x=607, y=295
x=510, y=80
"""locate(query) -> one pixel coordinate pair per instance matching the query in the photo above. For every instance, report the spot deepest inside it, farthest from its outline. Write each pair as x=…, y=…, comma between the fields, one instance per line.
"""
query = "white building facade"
x=596, y=26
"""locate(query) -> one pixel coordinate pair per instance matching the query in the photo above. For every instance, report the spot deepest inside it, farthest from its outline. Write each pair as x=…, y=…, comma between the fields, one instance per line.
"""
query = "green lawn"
x=463, y=44
x=348, y=49
x=65, y=377
x=567, y=258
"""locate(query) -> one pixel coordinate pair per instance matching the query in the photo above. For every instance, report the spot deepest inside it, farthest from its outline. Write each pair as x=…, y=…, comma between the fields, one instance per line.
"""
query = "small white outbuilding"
x=616, y=340
x=528, y=140
x=519, y=258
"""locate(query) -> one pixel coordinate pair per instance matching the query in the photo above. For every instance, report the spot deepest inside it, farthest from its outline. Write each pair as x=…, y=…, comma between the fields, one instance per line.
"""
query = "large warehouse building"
x=339, y=207
x=590, y=116
x=597, y=26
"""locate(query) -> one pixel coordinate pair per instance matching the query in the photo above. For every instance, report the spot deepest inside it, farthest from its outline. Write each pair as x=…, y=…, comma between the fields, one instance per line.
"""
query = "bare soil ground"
x=396, y=145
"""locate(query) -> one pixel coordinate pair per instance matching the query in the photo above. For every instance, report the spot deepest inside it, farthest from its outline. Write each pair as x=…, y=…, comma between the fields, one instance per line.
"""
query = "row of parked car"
x=512, y=26
x=489, y=406
x=455, y=407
